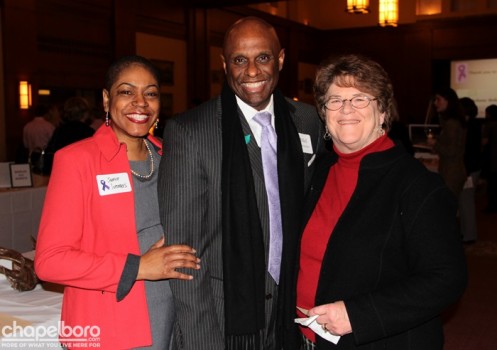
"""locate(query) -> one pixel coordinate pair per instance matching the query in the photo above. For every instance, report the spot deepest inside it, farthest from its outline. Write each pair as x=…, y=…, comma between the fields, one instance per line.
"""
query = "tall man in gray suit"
x=213, y=196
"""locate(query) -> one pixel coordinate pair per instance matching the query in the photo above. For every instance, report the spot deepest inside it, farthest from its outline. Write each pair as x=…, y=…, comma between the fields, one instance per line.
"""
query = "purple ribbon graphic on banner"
x=462, y=72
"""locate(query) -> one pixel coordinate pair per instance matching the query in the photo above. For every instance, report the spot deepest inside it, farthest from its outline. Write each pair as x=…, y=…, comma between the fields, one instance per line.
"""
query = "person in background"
x=54, y=115
x=451, y=143
x=398, y=131
x=472, y=162
x=38, y=131
x=380, y=256
x=96, y=118
x=489, y=140
x=73, y=126
x=215, y=194
x=100, y=232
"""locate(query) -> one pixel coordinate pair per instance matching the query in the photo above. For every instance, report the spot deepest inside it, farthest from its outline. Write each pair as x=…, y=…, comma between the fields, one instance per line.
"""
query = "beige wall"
x=171, y=50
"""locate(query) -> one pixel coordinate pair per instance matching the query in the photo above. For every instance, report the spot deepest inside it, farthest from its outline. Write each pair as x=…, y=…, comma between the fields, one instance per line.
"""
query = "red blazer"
x=84, y=240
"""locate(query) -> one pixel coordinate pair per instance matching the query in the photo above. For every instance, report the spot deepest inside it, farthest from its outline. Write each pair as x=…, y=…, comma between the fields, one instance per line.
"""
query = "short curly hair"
x=356, y=71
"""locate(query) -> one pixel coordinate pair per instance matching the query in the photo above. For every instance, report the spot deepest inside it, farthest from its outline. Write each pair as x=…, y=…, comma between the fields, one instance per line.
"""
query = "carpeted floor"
x=472, y=323
x=482, y=248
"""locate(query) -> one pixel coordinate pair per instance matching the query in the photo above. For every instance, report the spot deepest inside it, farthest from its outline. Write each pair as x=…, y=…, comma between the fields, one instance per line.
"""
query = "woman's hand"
x=160, y=262
x=333, y=318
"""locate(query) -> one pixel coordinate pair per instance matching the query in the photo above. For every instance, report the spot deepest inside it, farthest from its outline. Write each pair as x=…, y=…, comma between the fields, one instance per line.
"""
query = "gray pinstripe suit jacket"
x=190, y=205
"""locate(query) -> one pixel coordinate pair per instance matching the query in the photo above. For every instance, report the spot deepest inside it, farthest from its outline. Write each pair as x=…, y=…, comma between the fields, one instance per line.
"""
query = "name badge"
x=113, y=184
x=305, y=140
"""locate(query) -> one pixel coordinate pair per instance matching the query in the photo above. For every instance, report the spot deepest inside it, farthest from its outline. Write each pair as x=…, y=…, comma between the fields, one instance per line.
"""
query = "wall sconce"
x=389, y=13
x=357, y=6
x=24, y=94
x=428, y=7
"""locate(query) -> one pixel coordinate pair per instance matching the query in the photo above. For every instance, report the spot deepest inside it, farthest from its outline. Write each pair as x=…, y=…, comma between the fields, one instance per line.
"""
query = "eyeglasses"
x=335, y=103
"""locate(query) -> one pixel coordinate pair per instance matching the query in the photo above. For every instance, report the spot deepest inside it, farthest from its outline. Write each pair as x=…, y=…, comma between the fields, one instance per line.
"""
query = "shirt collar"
x=249, y=112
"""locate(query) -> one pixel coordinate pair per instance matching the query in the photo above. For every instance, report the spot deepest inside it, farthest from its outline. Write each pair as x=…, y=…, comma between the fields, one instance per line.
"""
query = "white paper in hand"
x=315, y=327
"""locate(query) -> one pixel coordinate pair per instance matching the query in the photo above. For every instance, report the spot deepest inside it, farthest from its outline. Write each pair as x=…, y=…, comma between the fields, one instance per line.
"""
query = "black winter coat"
x=395, y=256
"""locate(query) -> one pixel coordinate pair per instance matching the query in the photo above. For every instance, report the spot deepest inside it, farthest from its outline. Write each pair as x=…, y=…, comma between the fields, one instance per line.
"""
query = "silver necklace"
x=151, y=164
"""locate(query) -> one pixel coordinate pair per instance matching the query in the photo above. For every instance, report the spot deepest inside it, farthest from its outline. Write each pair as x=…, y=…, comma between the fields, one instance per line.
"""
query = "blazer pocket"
x=218, y=294
x=178, y=336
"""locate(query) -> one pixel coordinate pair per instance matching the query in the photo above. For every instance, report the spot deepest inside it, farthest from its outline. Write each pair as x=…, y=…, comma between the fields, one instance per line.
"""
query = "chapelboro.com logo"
x=15, y=335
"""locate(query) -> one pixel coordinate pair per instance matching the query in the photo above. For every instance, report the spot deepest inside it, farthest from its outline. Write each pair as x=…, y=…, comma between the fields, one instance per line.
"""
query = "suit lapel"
x=253, y=149
x=255, y=156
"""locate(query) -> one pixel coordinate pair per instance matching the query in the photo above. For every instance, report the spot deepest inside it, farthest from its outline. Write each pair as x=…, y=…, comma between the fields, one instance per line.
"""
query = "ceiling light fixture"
x=358, y=6
x=389, y=13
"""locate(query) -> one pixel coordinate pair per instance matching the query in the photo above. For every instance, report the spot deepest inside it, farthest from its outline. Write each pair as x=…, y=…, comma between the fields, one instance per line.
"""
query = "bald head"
x=251, y=24
x=252, y=59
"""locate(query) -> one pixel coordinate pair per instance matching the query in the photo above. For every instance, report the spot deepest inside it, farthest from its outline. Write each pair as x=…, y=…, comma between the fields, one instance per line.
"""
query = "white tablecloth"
x=41, y=311
x=20, y=213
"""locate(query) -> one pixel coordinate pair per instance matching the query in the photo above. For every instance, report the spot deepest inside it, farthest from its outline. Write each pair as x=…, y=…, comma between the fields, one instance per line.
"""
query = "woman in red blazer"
x=100, y=233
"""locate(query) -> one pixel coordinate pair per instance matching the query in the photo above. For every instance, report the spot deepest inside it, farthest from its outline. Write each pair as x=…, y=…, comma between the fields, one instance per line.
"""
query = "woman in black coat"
x=380, y=255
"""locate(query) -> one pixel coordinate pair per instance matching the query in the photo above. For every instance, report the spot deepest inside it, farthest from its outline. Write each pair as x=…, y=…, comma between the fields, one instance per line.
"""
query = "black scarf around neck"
x=244, y=265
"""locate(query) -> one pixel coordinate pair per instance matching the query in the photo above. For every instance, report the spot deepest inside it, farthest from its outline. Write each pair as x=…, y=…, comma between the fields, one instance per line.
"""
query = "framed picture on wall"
x=166, y=69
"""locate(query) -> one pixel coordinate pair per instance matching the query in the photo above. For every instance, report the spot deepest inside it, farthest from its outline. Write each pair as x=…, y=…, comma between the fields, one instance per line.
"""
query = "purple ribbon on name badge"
x=104, y=185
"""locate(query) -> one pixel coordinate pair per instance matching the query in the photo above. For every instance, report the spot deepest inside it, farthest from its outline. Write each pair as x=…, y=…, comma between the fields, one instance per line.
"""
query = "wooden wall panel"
x=168, y=21
x=20, y=57
x=463, y=39
x=81, y=21
x=413, y=75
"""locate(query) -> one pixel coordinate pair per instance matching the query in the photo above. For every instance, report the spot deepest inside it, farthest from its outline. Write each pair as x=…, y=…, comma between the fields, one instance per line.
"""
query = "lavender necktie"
x=270, y=166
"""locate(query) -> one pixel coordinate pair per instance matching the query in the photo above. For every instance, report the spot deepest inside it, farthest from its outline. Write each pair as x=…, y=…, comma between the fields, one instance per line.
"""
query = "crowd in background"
x=466, y=147
x=55, y=126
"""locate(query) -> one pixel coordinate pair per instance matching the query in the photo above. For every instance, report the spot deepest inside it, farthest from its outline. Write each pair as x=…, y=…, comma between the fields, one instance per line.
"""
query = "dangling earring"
x=107, y=122
x=381, y=131
x=157, y=124
x=327, y=135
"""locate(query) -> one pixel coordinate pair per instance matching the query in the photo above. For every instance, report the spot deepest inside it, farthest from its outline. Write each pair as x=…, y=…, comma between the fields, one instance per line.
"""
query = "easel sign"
x=20, y=175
